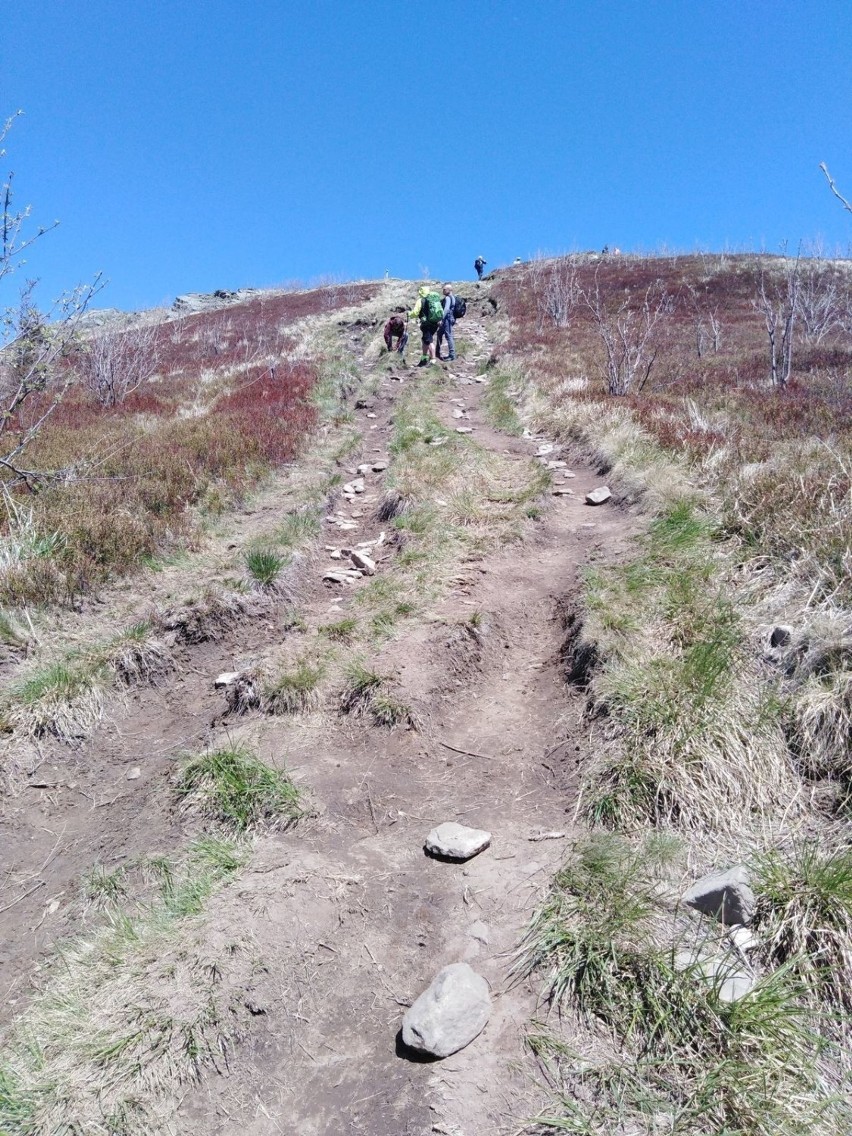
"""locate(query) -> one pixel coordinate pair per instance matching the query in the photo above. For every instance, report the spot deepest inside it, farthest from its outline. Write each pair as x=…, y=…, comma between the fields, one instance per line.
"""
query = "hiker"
x=479, y=264
x=430, y=312
x=395, y=328
x=445, y=327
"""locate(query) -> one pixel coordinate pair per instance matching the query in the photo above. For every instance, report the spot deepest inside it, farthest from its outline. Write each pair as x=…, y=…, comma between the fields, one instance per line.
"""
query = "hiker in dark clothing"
x=395, y=328
x=429, y=311
x=445, y=327
x=479, y=264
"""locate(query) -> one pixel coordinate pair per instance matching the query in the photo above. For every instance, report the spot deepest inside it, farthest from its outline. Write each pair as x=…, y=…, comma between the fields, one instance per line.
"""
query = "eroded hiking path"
x=352, y=915
x=349, y=918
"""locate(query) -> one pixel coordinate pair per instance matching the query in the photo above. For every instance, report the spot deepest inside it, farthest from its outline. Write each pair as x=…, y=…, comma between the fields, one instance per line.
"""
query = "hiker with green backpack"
x=430, y=311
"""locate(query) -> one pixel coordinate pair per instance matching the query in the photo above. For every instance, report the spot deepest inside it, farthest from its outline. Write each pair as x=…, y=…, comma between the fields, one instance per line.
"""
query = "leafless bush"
x=628, y=333
x=705, y=320
x=118, y=361
x=31, y=343
x=778, y=302
x=561, y=295
x=823, y=299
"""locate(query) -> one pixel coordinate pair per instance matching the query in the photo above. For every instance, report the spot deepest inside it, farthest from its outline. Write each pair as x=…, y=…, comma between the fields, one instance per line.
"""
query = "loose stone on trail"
x=226, y=678
x=456, y=841
x=725, y=895
x=450, y=1013
x=362, y=561
x=598, y=496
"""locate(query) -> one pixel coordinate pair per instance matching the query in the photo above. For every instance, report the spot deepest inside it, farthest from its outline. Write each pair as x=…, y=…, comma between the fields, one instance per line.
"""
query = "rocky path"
x=353, y=916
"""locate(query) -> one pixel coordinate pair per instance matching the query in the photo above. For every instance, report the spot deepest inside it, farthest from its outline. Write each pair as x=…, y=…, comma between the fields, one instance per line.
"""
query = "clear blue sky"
x=203, y=144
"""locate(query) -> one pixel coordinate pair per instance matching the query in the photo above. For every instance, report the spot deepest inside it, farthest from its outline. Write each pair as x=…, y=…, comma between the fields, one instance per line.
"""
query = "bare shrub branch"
x=118, y=361
x=778, y=301
x=846, y=204
x=628, y=334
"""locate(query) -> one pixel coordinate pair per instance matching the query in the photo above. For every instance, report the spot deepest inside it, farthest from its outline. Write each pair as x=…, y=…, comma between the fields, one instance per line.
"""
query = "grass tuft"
x=264, y=566
x=370, y=694
x=235, y=788
x=295, y=689
x=804, y=917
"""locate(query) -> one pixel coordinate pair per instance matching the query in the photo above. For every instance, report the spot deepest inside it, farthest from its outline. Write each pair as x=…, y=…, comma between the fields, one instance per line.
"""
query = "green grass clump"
x=499, y=400
x=295, y=689
x=342, y=630
x=804, y=918
x=264, y=565
x=102, y=887
x=367, y=693
x=235, y=788
x=66, y=697
x=298, y=529
x=698, y=738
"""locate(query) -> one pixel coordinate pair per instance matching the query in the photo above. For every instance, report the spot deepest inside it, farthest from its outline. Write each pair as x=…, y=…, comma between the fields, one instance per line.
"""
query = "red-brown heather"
x=782, y=452
x=228, y=403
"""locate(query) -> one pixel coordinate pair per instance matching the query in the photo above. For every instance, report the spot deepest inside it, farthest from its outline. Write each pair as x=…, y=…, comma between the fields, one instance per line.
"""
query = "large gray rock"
x=725, y=895
x=598, y=496
x=456, y=841
x=450, y=1013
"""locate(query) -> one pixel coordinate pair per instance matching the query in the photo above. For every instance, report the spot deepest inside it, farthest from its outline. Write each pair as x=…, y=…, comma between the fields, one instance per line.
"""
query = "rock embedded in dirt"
x=782, y=636
x=555, y=464
x=723, y=974
x=364, y=562
x=335, y=577
x=562, y=491
x=598, y=496
x=355, y=486
x=544, y=449
x=464, y=430
x=458, y=413
x=379, y=466
x=364, y=469
x=456, y=841
x=134, y=773
x=725, y=895
x=226, y=678
x=450, y=1013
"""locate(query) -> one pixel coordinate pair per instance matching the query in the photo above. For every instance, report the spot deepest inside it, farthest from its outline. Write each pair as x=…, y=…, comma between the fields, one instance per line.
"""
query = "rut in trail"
x=352, y=918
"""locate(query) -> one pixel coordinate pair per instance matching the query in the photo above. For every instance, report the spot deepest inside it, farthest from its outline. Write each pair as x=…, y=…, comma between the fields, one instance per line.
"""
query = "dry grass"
x=133, y=1012
x=66, y=698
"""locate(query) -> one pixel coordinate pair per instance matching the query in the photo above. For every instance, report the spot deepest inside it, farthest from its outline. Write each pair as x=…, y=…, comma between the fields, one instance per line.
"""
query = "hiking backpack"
x=432, y=310
x=459, y=307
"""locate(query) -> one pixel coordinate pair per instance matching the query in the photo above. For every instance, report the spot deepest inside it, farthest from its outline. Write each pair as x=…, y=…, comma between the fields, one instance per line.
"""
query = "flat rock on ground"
x=450, y=1013
x=456, y=841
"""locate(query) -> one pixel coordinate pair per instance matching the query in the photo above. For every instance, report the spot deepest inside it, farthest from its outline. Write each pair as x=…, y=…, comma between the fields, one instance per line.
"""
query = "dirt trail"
x=357, y=917
x=349, y=915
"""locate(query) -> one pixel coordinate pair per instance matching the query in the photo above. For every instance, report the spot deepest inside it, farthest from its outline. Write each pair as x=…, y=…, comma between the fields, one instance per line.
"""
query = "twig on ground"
x=24, y=895
x=466, y=752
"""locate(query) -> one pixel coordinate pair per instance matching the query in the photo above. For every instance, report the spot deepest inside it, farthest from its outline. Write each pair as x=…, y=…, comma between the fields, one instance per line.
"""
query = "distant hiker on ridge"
x=395, y=328
x=445, y=327
x=429, y=310
x=479, y=264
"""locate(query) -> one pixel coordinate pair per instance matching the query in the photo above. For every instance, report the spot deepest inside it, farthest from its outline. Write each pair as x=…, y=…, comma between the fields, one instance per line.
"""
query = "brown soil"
x=350, y=916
